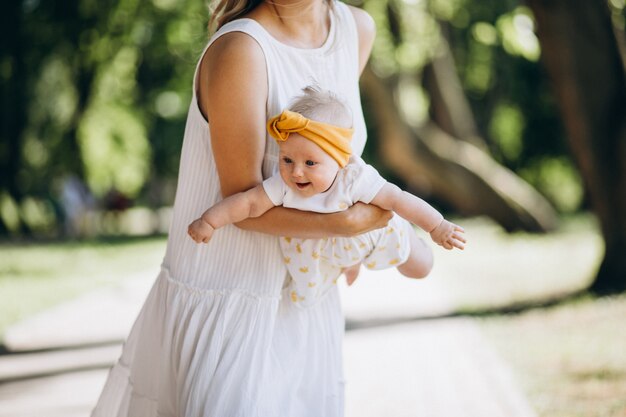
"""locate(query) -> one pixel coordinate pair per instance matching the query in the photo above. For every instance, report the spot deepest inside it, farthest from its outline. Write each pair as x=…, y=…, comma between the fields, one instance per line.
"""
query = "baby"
x=318, y=173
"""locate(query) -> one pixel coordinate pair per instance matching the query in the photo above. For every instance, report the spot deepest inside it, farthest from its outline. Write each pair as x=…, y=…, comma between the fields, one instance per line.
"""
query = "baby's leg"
x=420, y=260
x=351, y=273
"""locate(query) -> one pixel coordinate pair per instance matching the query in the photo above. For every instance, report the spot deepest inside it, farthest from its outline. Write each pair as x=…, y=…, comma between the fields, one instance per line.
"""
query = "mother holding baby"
x=217, y=335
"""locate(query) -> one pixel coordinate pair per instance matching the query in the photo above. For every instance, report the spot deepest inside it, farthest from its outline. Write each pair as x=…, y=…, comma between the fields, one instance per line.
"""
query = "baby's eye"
x=310, y=163
x=287, y=160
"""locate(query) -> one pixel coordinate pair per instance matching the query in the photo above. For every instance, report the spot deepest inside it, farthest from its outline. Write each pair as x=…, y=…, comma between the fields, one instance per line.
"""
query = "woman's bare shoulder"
x=234, y=44
x=234, y=59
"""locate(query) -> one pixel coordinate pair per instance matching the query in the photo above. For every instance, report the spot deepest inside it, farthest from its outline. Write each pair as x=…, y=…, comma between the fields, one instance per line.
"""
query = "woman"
x=216, y=338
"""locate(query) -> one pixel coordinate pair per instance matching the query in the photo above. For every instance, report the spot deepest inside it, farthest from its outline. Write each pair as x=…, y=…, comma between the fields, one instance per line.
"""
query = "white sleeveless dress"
x=218, y=335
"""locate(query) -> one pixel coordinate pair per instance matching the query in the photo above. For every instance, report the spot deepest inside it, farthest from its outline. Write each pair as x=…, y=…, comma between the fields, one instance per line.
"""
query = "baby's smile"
x=305, y=167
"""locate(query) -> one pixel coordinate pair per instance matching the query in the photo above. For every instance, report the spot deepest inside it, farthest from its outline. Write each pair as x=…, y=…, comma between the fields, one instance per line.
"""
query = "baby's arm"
x=419, y=212
x=235, y=208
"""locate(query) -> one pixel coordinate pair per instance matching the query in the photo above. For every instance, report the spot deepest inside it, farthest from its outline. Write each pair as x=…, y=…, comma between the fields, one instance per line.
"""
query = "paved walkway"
x=395, y=365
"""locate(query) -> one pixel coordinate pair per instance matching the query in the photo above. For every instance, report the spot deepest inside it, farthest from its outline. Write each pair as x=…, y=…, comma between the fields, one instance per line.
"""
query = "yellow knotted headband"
x=334, y=140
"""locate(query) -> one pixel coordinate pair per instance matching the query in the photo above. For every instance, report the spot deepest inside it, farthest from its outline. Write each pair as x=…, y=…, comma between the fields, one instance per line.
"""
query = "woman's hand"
x=362, y=218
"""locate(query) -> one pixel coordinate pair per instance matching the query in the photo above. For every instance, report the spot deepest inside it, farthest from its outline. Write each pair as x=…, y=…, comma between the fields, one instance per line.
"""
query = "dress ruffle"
x=196, y=352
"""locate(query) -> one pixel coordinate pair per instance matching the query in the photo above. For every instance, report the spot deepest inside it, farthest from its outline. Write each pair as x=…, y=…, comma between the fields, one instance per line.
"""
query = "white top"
x=238, y=259
x=357, y=181
x=217, y=336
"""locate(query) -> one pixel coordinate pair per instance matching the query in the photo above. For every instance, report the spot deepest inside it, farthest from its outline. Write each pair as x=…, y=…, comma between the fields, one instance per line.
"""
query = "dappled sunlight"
x=560, y=181
x=517, y=30
x=168, y=105
x=506, y=128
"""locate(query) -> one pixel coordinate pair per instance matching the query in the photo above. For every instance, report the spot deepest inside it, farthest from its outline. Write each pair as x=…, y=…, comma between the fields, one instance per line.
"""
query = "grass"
x=39, y=275
x=570, y=359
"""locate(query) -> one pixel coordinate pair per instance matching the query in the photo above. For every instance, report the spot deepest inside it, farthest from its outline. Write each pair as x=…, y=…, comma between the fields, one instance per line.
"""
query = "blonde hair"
x=224, y=11
x=322, y=106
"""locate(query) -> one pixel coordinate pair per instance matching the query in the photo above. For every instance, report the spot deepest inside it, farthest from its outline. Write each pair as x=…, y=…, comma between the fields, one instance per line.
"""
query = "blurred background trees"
x=468, y=115
x=458, y=103
x=93, y=92
x=585, y=55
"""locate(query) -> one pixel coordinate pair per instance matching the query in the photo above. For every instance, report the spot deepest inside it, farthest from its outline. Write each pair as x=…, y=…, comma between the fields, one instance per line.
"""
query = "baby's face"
x=305, y=167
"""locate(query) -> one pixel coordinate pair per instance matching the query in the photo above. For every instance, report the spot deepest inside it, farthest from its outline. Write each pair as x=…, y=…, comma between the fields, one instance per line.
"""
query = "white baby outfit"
x=218, y=335
x=315, y=264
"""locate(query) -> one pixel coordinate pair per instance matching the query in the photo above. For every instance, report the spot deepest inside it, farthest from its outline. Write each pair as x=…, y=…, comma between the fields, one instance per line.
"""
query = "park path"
x=401, y=360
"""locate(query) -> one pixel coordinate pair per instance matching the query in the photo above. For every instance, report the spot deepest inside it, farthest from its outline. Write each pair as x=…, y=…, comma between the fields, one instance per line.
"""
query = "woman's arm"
x=232, y=95
x=358, y=219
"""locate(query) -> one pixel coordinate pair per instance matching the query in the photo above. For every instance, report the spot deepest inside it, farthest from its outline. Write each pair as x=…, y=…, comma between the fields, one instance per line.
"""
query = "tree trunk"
x=581, y=55
x=458, y=172
x=449, y=107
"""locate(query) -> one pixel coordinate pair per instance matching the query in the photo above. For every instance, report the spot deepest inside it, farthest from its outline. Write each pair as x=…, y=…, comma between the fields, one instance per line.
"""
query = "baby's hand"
x=200, y=231
x=448, y=235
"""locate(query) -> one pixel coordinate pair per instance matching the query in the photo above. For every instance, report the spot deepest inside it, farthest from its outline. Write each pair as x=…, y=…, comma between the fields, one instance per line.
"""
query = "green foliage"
x=407, y=36
x=558, y=179
x=98, y=90
x=506, y=126
x=111, y=134
x=101, y=97
x=618, y=14
x=517, y=32
x=496, y=53
x=9, y=212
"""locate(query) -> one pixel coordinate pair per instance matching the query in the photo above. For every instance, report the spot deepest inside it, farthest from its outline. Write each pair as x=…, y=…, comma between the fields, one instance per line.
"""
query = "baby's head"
x=314, y=137
x=322, y=106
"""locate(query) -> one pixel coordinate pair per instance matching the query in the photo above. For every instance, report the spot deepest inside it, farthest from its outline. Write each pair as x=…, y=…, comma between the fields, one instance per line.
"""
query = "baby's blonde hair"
x=322, y=106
